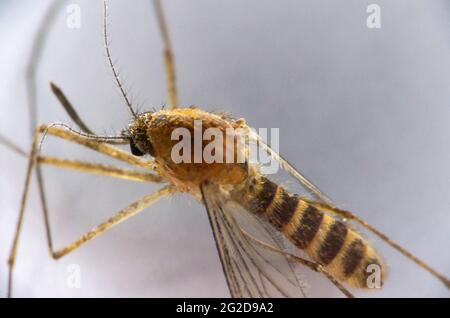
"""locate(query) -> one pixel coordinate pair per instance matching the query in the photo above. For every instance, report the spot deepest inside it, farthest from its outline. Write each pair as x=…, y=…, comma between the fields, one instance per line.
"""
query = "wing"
x=256, y=259
x=252, y=260
x=308, y=185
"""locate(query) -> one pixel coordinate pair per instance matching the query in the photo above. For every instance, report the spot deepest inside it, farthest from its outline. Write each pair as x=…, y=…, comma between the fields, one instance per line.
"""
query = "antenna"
x=110, y=62
x=107, y=139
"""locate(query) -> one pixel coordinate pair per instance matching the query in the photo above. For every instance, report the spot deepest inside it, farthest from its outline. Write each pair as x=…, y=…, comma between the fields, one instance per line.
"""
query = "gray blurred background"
x=364, y=113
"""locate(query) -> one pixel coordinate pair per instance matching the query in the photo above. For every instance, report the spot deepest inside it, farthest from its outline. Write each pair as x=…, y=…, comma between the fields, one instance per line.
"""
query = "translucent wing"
x=251, y=269
x=308, y=185
x=312, y=189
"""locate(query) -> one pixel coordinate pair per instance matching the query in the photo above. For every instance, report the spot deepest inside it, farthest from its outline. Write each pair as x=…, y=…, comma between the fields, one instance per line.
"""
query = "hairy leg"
x=169, y=62
x=33, y=160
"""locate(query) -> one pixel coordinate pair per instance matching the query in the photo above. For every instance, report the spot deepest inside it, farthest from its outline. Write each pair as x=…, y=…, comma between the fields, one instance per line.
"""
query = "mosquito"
x=252, y=218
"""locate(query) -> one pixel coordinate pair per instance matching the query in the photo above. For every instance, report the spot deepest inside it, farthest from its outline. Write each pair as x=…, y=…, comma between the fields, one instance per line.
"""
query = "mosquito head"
x=140, y=143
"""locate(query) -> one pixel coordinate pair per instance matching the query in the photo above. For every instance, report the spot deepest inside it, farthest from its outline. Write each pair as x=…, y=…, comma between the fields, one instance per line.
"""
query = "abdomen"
x=326, y=240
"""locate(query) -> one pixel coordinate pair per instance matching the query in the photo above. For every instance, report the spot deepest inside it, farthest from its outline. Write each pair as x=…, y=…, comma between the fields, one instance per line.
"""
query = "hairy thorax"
x=162, y=132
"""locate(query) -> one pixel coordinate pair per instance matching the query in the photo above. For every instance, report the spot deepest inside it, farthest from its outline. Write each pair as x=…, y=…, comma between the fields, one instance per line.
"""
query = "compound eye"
x=135, y=150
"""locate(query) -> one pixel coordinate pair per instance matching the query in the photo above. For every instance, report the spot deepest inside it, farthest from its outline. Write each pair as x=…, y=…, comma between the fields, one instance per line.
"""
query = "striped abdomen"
x=343, y=252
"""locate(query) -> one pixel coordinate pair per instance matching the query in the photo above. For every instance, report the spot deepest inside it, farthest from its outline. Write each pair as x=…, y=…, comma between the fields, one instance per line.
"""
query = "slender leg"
x=350, y=216
x=84, y=166
x=35, y=56
x=169, y=62
x=121, y=216
x=10, y=145
x=32, y=65
x=93, y=144
x=100, y=169
x=33, y=159
x=12, y=255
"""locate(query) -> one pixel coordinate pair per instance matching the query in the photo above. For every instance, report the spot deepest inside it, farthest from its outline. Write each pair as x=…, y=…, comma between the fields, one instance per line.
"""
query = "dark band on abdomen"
x=264, y=197
x=333, y=242
x=325, y=239
x=353, y=257
x=283, y=210
x=308, y=227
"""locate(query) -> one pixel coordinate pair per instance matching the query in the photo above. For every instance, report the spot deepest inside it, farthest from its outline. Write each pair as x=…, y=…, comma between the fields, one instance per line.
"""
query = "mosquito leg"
x=319, y=268
x=12, y=255
x=100, y=169
x=169, y=62
x=10, y=145
x=36, y=53
x=86, y=167
x=32, y=160
x=39, y=177
x=32, y=65
x=352, y=217
x=121, y=216
x=312, y=265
